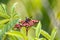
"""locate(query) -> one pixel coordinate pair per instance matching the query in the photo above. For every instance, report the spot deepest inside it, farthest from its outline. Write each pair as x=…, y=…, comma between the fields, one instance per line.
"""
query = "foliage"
x=10, y=19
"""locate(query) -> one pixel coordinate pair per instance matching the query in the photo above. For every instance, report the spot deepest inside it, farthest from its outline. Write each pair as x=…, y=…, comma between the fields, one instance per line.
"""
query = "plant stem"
x=26, y=31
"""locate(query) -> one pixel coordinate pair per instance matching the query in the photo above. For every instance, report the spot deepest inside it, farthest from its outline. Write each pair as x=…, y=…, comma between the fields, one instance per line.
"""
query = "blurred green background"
x=47, y=11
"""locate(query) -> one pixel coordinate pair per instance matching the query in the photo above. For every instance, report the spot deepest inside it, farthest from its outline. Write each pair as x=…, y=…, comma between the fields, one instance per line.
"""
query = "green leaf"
x=15, y=33
x=53, y=33
x=17, y=16
x=4, y=8
x=1, y=26
x=1, y=8
x=38, y=30
x=12, y=38
x=13, y=9
x=45, y=34
x=3, y=11
x=9, y=37
x=23, y=31
x=42, y=39
x=7, y=27
x=4, y=21
x=31, y=33
x=4, y=15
